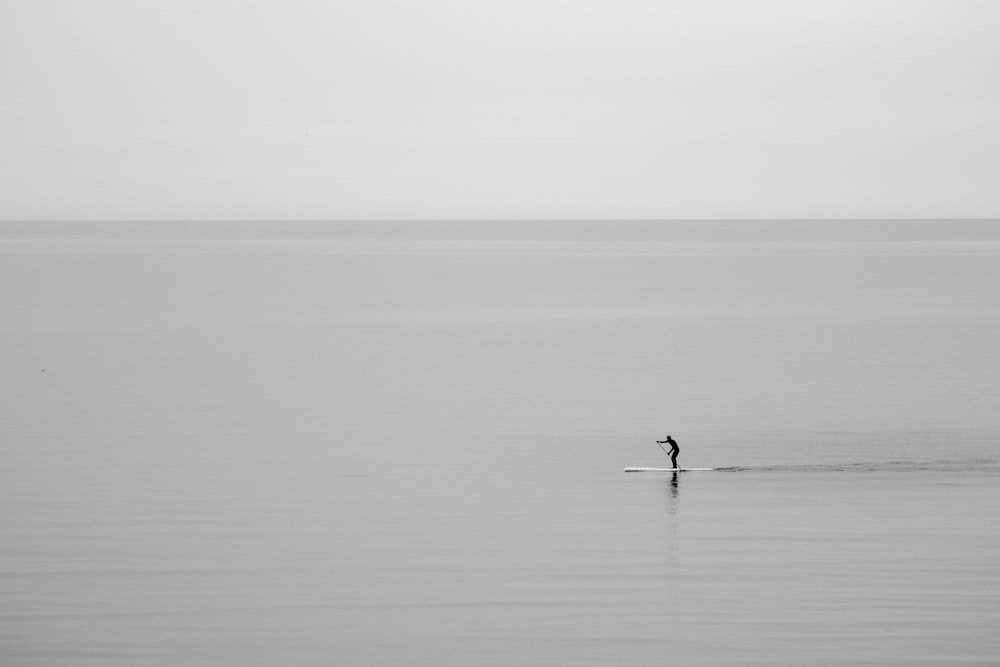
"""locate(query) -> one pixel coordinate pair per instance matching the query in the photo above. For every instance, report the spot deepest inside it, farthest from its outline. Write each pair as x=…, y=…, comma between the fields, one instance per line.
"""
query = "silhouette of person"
x=674, y=449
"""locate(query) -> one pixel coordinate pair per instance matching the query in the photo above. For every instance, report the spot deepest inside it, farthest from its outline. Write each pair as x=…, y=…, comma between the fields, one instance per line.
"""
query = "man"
x=674, y=449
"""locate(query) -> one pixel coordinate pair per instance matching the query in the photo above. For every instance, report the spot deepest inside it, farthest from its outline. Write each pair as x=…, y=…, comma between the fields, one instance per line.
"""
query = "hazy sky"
x=499, y=108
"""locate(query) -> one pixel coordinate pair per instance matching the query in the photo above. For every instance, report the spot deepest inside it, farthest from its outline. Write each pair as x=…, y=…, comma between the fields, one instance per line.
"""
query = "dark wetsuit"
x=674, y=451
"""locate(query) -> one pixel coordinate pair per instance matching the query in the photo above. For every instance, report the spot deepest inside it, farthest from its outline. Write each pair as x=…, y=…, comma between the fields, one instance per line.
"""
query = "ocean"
x=403, y=443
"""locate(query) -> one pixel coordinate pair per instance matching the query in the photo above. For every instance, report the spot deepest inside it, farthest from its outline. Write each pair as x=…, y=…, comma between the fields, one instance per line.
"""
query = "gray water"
x=404, y=445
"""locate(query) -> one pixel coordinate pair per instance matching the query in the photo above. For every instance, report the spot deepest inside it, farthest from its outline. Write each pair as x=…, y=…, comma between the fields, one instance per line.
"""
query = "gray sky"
x=132, y=109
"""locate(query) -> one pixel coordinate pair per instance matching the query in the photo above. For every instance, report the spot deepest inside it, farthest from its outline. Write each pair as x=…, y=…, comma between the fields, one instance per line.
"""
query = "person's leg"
x=673, y=459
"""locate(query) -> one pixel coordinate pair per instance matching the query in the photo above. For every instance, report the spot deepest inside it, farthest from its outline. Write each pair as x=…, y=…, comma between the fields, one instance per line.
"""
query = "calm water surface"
x=407, y=448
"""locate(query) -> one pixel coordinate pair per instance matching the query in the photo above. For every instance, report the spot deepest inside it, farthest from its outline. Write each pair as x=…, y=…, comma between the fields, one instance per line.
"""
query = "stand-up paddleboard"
x=665, y=469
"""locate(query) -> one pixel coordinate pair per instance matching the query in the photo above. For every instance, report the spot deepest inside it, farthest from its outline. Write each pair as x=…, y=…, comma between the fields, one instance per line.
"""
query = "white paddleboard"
x=665, y=469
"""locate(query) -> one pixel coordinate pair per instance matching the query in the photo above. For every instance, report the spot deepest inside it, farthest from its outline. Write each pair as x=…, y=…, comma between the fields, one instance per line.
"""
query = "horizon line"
x=493, y=220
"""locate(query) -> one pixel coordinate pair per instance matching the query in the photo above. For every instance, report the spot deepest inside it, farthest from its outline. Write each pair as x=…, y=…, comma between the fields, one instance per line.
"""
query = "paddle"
x=663, y=448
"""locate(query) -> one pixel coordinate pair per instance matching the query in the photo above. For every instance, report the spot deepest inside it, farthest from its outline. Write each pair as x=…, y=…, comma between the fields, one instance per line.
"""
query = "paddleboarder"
x=674, y=449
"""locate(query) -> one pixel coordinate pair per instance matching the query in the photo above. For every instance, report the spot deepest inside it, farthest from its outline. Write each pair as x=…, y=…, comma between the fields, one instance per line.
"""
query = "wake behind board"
x=665, y=469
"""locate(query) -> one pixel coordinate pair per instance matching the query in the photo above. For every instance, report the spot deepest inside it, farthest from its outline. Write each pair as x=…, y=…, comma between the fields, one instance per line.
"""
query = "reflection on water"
x=673, y=534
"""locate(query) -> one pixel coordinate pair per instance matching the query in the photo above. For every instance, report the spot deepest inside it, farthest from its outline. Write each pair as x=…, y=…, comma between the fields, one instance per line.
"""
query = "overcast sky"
x=134, y=109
